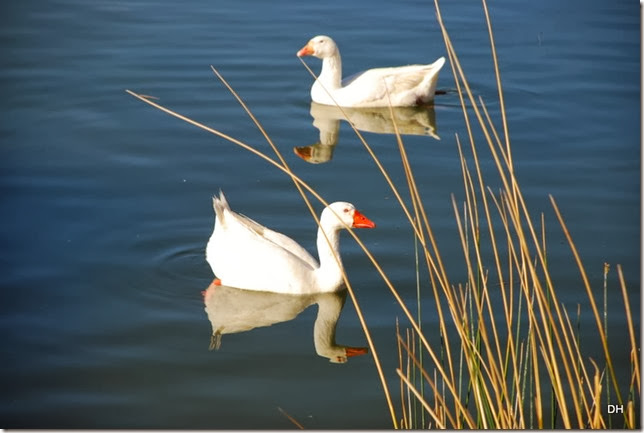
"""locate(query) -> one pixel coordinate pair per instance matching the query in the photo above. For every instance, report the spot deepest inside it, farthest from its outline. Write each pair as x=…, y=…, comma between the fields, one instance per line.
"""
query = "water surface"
x=106, y=202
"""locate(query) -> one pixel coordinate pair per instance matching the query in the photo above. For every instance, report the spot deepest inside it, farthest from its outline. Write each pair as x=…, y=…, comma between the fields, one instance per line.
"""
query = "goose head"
x=320, y=46
x=341, y=214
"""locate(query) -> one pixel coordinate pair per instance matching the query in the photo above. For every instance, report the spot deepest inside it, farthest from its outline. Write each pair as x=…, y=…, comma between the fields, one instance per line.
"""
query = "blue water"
x=106, y=205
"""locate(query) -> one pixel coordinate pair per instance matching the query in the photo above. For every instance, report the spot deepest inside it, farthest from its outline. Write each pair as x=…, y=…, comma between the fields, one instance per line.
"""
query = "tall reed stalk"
x=496, y=363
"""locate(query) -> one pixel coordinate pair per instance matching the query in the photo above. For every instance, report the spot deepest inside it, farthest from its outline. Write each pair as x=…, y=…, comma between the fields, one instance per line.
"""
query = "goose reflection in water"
x=231, y=310
x=326, y=118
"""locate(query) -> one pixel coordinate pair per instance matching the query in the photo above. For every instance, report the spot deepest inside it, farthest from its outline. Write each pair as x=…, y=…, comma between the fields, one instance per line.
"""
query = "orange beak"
x=356, y=351
x=362, y=222
x=303, y=152
x=306, y=50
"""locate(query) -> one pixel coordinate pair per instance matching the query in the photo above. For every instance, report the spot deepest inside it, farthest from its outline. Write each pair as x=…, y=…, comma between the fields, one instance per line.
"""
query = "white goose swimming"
x=244, y=254
x=401, y=86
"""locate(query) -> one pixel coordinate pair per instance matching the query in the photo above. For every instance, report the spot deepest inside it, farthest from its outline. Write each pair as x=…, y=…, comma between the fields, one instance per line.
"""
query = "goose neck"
x=331, y=74
x=329, y=274
x=328, y=243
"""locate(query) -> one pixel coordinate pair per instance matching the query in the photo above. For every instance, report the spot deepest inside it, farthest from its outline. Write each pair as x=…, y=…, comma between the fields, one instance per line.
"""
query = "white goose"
x=244, y=254
x=401, y=86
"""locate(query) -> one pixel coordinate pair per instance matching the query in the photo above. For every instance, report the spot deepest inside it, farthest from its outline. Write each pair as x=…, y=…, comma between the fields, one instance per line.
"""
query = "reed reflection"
x=231, y=310
x=326, y=118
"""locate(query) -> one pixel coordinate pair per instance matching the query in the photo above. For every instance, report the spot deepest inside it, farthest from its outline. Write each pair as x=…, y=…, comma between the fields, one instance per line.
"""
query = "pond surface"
x=106, y=202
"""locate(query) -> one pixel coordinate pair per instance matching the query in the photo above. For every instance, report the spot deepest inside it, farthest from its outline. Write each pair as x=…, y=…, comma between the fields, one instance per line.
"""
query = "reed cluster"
x=507, y=354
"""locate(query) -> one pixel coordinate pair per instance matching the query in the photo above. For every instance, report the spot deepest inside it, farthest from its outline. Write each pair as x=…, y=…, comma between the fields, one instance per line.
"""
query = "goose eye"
x=345, y=210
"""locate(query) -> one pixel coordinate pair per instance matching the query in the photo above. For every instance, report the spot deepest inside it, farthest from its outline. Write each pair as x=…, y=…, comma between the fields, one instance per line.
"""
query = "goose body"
x=401, y=86
x=244, y=254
